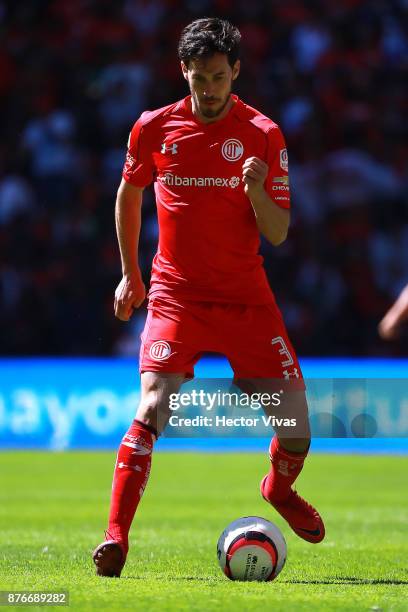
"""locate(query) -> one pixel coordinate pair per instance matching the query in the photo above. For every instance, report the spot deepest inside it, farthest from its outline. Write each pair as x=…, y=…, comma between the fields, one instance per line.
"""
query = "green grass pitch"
x=53, y=510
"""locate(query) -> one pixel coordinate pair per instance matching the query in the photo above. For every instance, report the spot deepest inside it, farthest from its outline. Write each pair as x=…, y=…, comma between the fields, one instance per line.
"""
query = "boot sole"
x=109, y=559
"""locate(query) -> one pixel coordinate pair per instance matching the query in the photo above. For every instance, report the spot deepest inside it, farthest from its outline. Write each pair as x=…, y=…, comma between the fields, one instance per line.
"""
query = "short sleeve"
x=139, y=167
x=277, y=181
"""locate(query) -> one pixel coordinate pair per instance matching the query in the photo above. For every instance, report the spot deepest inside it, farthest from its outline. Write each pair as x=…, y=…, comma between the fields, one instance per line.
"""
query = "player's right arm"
x=130, y=292
x=137, y=173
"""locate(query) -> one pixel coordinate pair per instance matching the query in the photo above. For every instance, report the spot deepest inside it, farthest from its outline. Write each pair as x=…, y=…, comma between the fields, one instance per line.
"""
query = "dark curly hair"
x=204, y=37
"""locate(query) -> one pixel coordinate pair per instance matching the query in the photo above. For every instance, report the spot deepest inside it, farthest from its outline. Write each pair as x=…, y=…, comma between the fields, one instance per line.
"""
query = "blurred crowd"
x=76, y=74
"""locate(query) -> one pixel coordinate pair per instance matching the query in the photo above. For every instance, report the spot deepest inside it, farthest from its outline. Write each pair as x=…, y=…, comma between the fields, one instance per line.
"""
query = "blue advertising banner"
x=88, y=403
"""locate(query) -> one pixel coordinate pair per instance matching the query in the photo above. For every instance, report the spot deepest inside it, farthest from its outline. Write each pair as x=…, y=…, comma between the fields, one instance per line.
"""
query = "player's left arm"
x=267, y=186
x=272, y=220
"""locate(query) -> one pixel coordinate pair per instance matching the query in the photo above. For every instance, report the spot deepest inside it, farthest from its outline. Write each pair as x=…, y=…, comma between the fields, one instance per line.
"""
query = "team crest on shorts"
x=160, y=350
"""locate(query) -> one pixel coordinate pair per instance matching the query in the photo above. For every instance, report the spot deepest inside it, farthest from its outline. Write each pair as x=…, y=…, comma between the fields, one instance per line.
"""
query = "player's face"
x=210, y=81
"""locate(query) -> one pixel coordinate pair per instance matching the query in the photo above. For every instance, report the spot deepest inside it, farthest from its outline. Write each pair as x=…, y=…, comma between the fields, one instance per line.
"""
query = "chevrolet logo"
x=281, y=179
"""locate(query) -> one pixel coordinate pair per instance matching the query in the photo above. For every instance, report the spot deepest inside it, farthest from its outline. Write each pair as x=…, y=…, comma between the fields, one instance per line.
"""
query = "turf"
x=53, y=509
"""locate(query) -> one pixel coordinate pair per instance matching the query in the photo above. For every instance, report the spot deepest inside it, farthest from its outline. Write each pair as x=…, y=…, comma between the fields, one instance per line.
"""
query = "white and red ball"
x=251, y=548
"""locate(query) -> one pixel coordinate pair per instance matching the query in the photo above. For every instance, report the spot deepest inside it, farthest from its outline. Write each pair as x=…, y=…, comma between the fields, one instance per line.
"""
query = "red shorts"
x=253, y=338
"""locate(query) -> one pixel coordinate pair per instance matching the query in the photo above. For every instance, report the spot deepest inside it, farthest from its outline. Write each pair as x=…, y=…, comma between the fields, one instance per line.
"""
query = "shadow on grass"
x=173, y=578
x=336, y=580
x=348, y=580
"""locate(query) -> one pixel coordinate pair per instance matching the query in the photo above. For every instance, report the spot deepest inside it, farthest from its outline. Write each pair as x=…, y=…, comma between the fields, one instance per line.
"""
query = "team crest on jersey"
x=232, y=149
x=160, y=350
x=284, y=159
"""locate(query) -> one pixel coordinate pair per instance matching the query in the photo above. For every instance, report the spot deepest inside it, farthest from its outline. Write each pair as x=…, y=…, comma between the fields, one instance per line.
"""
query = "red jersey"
x=208, y=236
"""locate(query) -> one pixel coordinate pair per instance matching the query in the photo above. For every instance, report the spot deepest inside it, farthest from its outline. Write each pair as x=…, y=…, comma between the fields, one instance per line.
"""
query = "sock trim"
x=148, y=428
x=288, y=454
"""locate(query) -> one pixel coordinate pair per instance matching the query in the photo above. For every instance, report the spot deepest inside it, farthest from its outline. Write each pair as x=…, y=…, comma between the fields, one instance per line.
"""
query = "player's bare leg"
x=287, y=452
x=132, y=468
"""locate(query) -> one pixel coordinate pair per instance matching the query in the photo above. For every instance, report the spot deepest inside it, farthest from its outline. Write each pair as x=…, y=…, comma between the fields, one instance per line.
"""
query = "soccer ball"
x=251, y=548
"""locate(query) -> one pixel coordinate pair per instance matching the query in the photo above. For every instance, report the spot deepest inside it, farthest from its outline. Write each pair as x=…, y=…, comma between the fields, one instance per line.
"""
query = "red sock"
x=286, y=467
x=129, y=480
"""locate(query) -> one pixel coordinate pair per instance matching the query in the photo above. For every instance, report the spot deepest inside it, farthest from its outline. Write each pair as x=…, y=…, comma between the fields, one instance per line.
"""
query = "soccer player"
x=390, y=326
x=220, y=172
